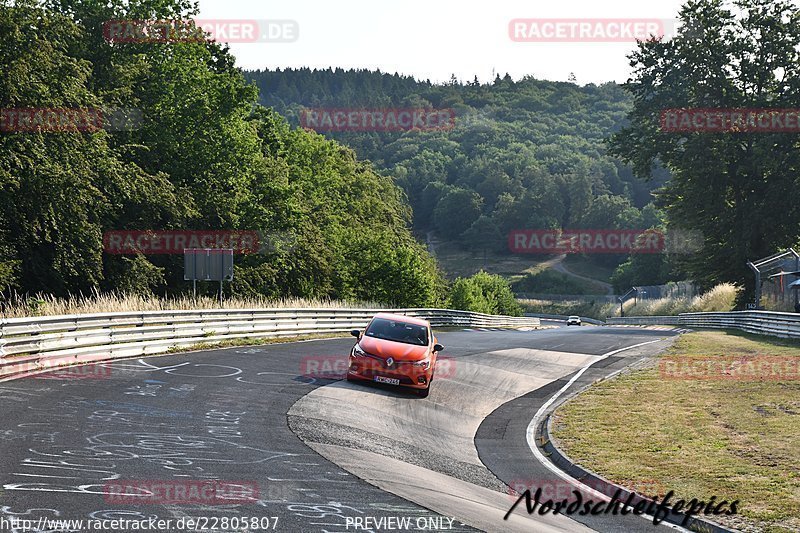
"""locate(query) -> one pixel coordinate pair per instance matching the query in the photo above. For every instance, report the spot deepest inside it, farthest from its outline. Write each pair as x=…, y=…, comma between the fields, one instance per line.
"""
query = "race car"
x=395, y=350
x=574, y=320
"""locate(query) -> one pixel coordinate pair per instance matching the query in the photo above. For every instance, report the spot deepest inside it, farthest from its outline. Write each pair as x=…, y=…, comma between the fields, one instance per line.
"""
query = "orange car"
x=397, y=350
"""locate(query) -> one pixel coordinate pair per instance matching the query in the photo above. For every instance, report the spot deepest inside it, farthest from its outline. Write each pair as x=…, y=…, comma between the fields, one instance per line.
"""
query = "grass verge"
x=733, y=439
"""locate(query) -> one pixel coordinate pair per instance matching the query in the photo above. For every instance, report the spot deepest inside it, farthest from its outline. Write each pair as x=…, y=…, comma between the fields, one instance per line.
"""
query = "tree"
x=539, y=142
x=641, y=269
x=206, y=156
x=738, y=188
x=456, y=212
x=484, y=235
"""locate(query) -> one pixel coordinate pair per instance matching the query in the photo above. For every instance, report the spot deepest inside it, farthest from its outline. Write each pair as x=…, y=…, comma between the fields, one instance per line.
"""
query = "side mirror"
x=355, y=333
x=438, y=347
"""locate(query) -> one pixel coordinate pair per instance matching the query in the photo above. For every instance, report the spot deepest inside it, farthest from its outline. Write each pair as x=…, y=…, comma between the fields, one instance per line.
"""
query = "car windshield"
x=397, y=331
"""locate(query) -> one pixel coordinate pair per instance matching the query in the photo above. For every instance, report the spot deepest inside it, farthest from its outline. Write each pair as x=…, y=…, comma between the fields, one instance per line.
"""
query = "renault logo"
x=389, y=362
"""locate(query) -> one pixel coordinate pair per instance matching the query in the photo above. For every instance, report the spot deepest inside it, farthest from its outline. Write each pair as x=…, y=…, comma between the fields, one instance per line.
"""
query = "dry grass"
x=720, y=298
x=112, y=302
x=733, y=439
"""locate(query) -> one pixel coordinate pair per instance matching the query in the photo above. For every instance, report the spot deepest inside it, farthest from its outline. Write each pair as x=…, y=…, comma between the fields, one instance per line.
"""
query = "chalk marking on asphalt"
x=531, y=434
x=145, y=363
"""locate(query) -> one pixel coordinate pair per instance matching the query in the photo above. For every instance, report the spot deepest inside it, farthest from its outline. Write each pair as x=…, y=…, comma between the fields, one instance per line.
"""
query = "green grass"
x=553, y=282
x=584, y=266
x=458, y=262
x=526, y=273
x=701, y=438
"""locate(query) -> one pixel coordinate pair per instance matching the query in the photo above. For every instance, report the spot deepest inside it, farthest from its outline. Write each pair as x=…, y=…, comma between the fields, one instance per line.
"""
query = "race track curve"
x=318, y=454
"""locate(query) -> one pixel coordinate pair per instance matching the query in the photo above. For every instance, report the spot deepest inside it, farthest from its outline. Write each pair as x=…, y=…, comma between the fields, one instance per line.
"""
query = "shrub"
x=484, y=293
x=720, y=298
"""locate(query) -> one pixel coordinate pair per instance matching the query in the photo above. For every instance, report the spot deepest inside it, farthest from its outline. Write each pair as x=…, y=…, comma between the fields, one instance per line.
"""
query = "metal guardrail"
x=565, y=317
x=34, y=344
x=786, y=325
x=566, y=297
x=644, y=320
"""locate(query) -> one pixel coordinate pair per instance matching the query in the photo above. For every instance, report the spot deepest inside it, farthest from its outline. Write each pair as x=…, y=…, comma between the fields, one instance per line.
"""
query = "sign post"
x=208, y=264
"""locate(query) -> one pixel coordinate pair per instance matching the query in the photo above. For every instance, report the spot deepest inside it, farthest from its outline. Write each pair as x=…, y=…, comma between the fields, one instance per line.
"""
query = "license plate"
x=390, y=381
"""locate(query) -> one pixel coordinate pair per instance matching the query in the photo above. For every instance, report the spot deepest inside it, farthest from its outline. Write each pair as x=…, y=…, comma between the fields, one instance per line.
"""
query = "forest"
x=345, y=213
x=527, y=154
x=204, y=156
x=536, y=154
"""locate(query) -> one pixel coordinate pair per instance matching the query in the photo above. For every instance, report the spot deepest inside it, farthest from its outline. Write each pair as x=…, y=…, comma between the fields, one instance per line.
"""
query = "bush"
x=136, y=276
x=484, y=293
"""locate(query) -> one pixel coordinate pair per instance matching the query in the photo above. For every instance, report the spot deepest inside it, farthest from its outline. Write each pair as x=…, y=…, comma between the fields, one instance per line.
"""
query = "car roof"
x=403, y=318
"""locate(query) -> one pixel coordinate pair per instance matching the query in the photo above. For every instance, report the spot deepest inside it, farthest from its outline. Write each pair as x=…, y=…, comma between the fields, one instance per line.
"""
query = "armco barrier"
x=29, y=345
x=644, y=320
x=786, y=325
x=565, y=317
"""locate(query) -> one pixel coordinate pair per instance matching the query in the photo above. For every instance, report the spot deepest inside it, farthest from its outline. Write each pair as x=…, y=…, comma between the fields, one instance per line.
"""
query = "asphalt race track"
x=316, y=453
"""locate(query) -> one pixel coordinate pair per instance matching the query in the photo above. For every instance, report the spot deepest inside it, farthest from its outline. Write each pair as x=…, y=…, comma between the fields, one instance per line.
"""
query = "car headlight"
x=424, y=364
x=358, y=352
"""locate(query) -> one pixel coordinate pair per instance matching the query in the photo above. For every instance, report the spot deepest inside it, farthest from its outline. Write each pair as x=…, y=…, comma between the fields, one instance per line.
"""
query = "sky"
x=433, y=39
